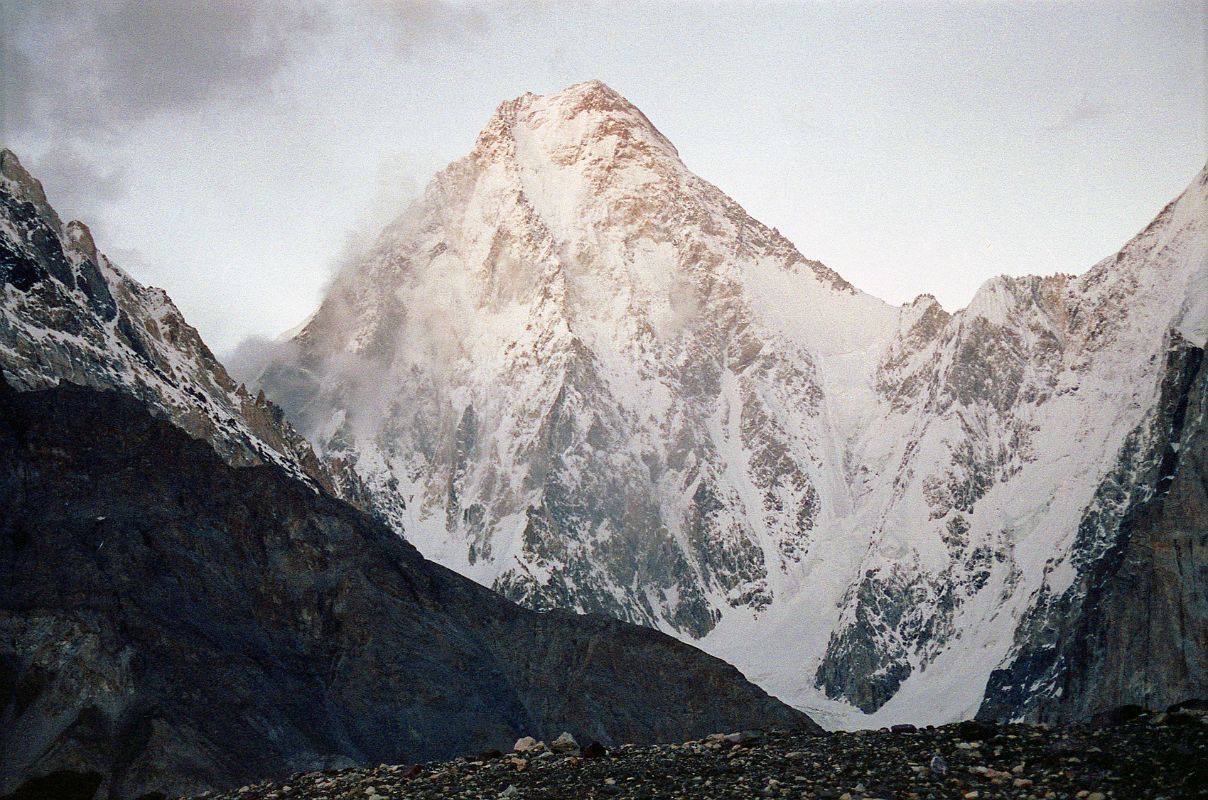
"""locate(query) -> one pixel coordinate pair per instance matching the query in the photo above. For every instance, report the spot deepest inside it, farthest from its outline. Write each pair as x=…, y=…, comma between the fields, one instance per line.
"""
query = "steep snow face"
x=580, y=374
x=69, y=314
x=1009, y=441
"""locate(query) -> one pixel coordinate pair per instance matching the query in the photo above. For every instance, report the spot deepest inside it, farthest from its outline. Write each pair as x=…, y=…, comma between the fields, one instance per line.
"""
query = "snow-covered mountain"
x=68, y=314
x=171, y=624
x=578, y=373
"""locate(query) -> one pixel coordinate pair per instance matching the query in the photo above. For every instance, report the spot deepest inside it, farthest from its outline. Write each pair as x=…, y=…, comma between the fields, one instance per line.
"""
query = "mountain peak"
x=17, y=180
x=592, y=95
x=585, y=377
x=580, y=115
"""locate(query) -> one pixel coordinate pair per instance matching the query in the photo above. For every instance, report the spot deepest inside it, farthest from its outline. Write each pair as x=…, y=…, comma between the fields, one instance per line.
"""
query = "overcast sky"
x=227, y=151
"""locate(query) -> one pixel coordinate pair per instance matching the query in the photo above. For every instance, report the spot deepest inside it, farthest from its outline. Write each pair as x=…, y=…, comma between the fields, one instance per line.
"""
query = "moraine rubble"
x=1126, y=754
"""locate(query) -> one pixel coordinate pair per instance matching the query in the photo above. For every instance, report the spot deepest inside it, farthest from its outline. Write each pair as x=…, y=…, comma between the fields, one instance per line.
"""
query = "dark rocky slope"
x=1133, y=629
x=177, y=624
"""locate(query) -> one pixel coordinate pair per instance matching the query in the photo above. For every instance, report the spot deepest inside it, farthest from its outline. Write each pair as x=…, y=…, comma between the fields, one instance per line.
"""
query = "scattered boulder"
x=1118, y=715
x=565, y=744
x=974, y=731
x=527, y=744
x=1194, y=705
x=744, y=737
x=595, y=750
x=1185, y=717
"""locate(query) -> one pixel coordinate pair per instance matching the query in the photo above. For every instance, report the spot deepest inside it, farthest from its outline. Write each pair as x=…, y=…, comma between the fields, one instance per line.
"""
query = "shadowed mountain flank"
x=174, y=623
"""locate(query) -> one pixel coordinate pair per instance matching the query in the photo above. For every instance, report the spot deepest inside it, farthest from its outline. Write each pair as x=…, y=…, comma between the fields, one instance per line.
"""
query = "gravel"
x=1148, y=756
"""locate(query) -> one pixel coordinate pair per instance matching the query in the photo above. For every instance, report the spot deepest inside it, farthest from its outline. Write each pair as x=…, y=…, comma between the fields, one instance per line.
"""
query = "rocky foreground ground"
x=1128, y=754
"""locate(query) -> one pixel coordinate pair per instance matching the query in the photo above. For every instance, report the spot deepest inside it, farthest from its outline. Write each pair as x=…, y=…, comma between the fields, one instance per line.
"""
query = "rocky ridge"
x=69, y=314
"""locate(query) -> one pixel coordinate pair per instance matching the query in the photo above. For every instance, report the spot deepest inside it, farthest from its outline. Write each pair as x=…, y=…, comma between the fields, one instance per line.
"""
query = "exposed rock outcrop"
x=1133, y=628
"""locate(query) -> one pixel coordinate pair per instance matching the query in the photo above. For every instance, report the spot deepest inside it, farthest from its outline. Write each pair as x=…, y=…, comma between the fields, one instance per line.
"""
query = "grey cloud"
x=16, y=73
x=397, y=187
x=412, y=20
x=76, y=185
x=82, y=67
x=247, y=361
x=131, y=259
x=79, y=74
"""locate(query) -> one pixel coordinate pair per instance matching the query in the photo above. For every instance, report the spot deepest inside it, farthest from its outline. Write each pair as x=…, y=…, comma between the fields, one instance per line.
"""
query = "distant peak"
x=924, y=299
x=27, y=185
x=593, y=85
x=593, y=95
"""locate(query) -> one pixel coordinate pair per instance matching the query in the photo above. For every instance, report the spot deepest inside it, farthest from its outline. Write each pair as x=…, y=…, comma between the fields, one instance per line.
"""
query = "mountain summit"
x=579, y=117
x=584, y=376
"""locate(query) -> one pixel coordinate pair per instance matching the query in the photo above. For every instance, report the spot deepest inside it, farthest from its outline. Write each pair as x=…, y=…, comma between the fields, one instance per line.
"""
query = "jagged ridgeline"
x=582, y=375
x=70, y=314
x=184, y=607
